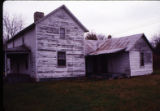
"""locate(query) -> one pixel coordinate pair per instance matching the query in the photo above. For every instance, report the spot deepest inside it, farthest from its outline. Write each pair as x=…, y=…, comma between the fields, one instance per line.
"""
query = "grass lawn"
x=134, y=94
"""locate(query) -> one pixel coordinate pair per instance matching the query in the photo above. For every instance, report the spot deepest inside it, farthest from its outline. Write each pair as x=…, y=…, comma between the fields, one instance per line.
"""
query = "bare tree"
x=11, y=25
x=156, y=43
x=95, y=36
x=91, y=36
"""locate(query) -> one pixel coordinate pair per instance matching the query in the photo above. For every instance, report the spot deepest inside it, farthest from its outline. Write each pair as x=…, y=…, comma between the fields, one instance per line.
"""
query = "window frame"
x=58, y=65
x=61, y=34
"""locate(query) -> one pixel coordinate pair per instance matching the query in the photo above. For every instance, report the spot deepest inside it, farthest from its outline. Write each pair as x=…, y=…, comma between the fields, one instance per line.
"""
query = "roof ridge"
x=70, y=14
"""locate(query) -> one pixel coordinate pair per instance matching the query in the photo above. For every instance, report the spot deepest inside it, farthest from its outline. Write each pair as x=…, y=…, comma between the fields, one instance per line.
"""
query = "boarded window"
x=61, y=59
x=141, y=59
x=62, y=33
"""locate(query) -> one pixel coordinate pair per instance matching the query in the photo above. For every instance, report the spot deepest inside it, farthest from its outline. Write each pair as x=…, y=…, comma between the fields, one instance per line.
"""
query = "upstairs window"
x=62, y=33
x=61, y=58
x=141, y=59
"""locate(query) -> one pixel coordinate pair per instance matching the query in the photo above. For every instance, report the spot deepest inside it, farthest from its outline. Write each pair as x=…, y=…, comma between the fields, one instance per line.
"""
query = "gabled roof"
x=33, y=24
x=69, y=13
x=115, y=45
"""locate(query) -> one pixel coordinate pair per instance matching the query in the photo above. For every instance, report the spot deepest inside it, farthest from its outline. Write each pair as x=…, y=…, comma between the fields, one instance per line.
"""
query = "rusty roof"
x=112, y=45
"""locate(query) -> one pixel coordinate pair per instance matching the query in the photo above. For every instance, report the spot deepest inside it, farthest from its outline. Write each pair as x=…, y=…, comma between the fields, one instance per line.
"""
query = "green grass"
x=134, y=94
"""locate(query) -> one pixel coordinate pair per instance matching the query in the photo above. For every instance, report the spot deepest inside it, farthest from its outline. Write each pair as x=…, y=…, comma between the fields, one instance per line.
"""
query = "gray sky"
x=118, y=18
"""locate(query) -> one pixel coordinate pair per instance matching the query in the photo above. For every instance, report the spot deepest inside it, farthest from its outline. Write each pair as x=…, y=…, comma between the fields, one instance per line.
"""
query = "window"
x=141, y=59
x=62, y=33
x=61, y=59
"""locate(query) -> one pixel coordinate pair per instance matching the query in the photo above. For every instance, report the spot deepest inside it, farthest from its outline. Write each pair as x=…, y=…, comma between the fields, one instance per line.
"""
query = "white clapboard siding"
x=134, y=56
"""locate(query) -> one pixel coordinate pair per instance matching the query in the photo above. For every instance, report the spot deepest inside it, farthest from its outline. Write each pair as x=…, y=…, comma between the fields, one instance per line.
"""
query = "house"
x=125, y=56
x=54, y=47
x=51, y=47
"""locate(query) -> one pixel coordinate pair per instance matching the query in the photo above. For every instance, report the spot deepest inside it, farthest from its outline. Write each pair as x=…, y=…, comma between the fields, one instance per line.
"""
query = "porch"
x=112, y=65
x=17, y=60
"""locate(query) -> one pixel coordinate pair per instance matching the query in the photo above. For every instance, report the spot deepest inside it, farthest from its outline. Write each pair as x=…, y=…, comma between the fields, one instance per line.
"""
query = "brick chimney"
x=109, y=36
x=38, y=16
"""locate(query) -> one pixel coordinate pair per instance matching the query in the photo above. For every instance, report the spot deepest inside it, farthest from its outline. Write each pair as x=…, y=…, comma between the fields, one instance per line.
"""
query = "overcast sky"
x=118, y=18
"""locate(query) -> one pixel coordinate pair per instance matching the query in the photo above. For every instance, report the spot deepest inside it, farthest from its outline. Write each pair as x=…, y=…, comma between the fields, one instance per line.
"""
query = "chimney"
x=38, y=16
x=109, y=36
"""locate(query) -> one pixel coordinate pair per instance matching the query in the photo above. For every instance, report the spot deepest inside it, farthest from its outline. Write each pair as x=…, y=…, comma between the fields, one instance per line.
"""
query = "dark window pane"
x=61, y=59
x=62, y=32
x=142, y=59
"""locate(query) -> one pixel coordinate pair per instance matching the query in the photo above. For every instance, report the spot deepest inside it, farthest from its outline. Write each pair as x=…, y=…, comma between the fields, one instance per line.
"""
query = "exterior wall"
x=49, y=43
x=119, y=63
x=134, y=56
x=18, y=42
x=30, y=42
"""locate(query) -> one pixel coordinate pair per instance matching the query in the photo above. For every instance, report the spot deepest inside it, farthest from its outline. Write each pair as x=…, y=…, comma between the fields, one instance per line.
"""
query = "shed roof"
x=114, y=45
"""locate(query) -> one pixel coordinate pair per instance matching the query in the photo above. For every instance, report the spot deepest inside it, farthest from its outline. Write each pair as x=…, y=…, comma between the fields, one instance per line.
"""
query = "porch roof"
x=107, y=51
x=16, y=50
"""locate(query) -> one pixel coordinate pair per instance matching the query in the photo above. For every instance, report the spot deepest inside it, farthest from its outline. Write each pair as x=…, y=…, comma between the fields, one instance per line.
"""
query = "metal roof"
x=112, y=45
x=92, y=45
x=107, y=51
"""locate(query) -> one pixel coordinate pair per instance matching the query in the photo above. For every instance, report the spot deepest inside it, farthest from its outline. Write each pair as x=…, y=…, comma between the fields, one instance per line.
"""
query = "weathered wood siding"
x=49, y=43
x=30, y=42
x=119, y=63
x=134, y=56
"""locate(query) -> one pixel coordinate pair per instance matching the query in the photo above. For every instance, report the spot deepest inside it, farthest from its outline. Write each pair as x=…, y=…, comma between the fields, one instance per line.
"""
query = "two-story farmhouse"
x=51, y=47
x=54, y=47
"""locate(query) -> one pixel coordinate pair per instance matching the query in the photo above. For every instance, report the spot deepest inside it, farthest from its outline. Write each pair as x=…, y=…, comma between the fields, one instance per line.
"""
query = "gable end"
x=69, y=13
